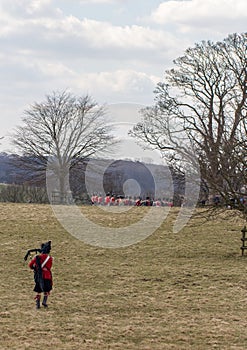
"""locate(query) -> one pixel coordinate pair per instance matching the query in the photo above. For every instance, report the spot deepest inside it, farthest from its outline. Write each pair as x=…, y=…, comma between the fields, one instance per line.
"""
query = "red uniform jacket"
x=46, y=270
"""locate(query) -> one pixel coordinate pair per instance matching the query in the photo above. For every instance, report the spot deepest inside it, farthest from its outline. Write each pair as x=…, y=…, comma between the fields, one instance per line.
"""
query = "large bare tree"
x=59, y=132
x=201, y=106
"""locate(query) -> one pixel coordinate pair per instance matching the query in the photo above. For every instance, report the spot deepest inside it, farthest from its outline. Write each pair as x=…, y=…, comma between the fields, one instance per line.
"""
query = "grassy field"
x=170, y=291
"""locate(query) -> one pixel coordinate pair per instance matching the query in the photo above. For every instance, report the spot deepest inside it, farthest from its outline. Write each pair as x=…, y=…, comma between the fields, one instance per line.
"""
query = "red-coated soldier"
x=42, y=264
x=107, y=199
x=138, y=202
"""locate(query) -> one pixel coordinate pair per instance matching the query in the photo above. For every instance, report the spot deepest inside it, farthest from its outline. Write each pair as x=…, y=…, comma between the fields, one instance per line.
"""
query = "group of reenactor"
x=114, y=200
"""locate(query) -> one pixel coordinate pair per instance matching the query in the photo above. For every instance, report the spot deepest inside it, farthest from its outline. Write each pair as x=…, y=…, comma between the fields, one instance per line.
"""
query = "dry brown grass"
x=170, y=291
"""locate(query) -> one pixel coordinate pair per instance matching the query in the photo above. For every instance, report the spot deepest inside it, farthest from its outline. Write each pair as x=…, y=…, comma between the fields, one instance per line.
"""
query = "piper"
x=41, y=264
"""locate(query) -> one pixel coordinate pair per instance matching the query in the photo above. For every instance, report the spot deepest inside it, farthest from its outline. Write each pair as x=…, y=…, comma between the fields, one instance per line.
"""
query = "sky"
x=114, y=50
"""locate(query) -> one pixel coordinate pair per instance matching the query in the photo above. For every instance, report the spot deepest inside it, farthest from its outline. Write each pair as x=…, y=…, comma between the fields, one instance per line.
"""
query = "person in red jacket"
x=42, y=264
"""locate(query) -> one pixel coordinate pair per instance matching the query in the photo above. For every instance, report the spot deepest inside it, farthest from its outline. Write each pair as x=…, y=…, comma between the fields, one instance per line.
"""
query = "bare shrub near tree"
x=204, y=96
x=61, y=130
x=23, y=194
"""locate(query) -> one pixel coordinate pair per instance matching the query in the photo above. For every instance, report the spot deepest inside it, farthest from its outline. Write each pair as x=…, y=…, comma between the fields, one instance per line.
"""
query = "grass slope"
x=170, y=291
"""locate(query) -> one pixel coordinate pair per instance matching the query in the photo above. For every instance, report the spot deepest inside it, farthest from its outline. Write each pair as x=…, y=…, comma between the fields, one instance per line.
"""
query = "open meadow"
x=170, y=291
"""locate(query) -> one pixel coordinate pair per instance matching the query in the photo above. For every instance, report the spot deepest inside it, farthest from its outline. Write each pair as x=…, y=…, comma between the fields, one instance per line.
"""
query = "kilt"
x=47, y=286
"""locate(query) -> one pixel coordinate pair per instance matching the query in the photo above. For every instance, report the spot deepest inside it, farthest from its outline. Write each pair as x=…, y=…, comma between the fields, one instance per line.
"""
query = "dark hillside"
x=148, y=176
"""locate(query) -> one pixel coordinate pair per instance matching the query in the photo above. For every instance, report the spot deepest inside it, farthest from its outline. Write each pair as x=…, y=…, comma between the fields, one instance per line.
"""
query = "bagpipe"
x=45, y=249
x=38, y=276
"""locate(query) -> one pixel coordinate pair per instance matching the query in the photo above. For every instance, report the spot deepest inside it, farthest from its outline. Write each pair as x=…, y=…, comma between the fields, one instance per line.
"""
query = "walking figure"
x=41, y=264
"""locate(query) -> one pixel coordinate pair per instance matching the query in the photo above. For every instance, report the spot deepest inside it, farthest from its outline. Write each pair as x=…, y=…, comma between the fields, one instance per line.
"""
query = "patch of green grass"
x=170, y=291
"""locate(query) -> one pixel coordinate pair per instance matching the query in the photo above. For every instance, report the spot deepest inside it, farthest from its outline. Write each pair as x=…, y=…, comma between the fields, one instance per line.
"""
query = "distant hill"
x=8, y=171
x=119, y=177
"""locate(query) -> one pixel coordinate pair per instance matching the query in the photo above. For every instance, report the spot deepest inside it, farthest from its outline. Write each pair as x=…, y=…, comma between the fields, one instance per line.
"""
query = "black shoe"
x=37, y=304
x=44, y=301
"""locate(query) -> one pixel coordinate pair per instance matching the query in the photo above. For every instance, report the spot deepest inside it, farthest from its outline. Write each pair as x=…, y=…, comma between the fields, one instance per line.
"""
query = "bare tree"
x=59, y=132
x=201, y=106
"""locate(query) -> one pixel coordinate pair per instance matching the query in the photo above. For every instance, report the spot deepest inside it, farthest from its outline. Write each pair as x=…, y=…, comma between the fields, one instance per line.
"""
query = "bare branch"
x=64, y=128
x=205, y=95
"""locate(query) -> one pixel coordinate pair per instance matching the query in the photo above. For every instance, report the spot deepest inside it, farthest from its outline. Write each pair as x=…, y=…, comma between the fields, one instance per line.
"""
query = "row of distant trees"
x=22, y=187
x=199, y=118
x=23, y=194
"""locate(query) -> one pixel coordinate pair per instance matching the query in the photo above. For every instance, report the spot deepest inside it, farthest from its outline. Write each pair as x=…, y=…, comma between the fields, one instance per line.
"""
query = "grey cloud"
x=58, y=40
x=29, y=9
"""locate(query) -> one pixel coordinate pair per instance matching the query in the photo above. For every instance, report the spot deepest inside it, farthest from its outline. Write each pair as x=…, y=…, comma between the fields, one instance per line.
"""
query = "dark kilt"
x=47, y=287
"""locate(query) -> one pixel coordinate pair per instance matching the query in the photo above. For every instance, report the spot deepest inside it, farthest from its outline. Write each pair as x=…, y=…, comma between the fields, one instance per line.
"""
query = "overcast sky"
x=114, y=50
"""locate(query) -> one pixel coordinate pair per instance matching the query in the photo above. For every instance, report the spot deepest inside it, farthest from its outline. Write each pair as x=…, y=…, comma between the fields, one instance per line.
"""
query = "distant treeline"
x=21, y=185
